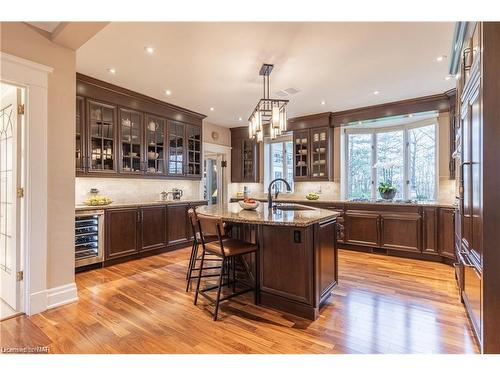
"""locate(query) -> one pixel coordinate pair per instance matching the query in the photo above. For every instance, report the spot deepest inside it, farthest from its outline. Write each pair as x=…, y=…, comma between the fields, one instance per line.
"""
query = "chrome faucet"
x=269, y=196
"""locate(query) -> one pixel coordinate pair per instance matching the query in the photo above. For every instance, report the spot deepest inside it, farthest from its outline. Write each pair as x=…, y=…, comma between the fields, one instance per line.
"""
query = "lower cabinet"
x=429, y=230
x=361, y=228
x=121, y=232
x=446, y=243
x=178, y=228
x=400, y=231
x=138, y=230
x=153, y=228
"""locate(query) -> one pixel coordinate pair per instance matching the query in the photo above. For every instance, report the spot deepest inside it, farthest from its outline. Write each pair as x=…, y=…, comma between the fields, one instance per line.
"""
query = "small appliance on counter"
x=175, y=192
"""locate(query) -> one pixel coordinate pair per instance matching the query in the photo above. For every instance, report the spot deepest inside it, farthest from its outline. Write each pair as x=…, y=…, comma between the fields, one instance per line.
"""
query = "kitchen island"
x=296, y=266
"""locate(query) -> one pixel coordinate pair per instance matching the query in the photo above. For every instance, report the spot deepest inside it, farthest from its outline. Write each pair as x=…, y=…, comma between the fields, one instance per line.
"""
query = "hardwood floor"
x=382, y=305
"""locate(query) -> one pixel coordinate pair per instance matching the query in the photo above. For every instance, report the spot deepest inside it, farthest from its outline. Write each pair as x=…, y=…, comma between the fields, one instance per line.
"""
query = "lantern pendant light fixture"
x=269, y=115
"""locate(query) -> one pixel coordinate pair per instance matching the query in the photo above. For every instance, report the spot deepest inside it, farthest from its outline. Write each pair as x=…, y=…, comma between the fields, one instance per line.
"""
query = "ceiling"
x=216, y=65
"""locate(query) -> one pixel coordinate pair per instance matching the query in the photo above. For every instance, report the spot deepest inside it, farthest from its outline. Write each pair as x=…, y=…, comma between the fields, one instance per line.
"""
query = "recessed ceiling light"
x=240, y=119
x=323, y=102
x=376, y=92
x=149, y=50
x=168, y=92
x=212, y=109
x=440, y=58
x=112, y=70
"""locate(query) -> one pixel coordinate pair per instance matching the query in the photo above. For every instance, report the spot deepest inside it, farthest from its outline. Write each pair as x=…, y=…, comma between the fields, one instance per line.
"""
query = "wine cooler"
x=89, y=237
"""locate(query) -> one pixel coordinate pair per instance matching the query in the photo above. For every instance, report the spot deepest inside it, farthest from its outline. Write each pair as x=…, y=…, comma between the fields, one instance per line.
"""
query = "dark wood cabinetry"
x=101, y=135
x=312, y=147
x=245, y=157
x=123, y=133
x=80, y=153
x=400, y=231
x=130, y=140
x=312, y=154
x=361, y=228
x=121, y=232
x=325, y=258
x=430, y=229
x=178, y=229
x=153, y=228
x=137, y=231
x=446, y=243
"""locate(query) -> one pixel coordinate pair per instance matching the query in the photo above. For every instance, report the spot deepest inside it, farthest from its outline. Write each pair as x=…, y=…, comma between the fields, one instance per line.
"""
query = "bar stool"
x=227, y=249
x=194, y=250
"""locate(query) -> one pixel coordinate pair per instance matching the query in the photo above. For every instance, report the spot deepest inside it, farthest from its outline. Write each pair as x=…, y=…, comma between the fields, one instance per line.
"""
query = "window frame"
x=373, y=131
x=268, y=158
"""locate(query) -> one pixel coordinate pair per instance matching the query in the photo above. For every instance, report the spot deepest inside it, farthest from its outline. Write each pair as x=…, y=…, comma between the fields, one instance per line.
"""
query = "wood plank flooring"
x=382, y=305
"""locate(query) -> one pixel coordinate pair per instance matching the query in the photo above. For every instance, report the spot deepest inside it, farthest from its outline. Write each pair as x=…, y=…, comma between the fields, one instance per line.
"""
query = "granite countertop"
x=82, y=207
x=325, y=199
x=262, y=215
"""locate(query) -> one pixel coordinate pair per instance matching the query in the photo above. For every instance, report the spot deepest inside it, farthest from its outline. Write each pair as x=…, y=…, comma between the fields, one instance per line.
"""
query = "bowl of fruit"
x=98, y=201
x=249, y=204
x=312, y=196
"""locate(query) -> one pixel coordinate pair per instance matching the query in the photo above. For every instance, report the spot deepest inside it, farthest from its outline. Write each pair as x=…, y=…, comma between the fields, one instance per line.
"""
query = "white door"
x=10, y=151
x=213, y=173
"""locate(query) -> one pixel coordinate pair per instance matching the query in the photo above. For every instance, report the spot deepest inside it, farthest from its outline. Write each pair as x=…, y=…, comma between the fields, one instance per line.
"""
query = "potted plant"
x=387, y=190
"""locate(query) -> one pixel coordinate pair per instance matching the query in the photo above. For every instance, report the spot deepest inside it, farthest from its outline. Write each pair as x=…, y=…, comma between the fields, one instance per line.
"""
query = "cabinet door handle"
x=138, y=217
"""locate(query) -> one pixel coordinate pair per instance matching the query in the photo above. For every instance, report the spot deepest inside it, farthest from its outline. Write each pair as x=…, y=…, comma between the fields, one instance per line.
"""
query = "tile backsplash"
x=122, y=190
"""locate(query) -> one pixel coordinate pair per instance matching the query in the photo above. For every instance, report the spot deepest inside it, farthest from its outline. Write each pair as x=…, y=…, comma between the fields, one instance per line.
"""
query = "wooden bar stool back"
x=194, y=257
x=227, y=249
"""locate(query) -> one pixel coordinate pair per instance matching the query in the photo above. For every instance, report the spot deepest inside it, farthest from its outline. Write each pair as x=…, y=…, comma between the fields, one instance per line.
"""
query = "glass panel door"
x=155, y=138
x=79, y=133
x=301, y=155
x=101, y=137
x=10, y=151
x=130, y=142
x=194, y=150
x=248, y=159
x=319, y=148
x=175, y=148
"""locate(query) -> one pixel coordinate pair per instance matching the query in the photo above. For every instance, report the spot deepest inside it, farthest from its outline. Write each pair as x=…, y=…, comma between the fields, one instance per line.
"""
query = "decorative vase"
x=388, y=195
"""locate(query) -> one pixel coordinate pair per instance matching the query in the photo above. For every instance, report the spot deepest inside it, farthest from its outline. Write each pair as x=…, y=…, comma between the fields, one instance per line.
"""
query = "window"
x=278, y=162
x=403, y=156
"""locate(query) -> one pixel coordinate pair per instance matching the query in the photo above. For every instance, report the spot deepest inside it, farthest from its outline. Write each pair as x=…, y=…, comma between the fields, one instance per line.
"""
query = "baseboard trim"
x=61, y=295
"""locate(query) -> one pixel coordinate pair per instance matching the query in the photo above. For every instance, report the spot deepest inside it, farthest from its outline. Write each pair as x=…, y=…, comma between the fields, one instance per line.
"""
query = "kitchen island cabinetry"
x=297, y=258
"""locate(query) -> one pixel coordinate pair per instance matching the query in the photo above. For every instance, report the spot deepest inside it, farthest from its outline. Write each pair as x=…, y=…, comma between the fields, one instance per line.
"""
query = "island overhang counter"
x=296, y=265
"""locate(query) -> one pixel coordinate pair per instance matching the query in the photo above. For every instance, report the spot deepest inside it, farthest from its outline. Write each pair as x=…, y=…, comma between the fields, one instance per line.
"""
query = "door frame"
x=225, y=153
x=33, y=77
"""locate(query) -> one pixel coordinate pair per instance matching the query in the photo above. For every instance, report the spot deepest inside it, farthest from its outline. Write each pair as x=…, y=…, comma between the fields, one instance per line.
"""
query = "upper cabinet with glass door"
x=193, y=150
x=122, y=133
x=312, y=152
x=101, y=137
x=175, y=162
x=80, y=154
x=156, y=128
x=131, y=161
